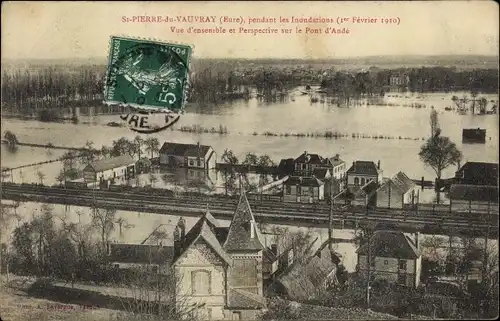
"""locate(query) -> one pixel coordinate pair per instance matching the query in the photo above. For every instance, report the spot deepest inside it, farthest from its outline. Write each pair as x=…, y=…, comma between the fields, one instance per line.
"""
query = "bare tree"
x=41, y=176
x=104, y=220
x=434, y=121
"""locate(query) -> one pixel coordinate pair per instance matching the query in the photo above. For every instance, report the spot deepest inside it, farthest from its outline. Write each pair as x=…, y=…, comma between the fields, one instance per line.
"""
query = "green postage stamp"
x=146, y=74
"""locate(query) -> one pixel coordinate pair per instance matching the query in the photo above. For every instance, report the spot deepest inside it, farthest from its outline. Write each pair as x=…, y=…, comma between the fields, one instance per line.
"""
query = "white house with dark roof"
x=221, y=267
x=361, y=172
x=194, y=156
x=109, y=169
x=394, y=256
x=397, y=192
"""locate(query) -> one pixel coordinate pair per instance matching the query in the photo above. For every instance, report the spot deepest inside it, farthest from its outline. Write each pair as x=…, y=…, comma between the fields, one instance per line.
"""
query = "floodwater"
x=243, y=118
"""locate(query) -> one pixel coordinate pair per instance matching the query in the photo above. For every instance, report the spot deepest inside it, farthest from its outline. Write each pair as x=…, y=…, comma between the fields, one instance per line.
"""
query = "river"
x=297, y=115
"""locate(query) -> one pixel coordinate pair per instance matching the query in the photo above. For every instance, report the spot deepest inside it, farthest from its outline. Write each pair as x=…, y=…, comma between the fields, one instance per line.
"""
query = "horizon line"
x=278, y=58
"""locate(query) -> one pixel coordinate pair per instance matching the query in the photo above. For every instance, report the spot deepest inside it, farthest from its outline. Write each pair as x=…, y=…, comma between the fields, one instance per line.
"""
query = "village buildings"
x=392, y=256
x=361, y=172
x=222, y=267
x=193, y=156
x=105, y=171
x=397, y=192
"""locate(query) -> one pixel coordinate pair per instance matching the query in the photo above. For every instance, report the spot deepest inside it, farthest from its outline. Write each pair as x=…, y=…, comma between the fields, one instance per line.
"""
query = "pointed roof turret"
x=243, y=232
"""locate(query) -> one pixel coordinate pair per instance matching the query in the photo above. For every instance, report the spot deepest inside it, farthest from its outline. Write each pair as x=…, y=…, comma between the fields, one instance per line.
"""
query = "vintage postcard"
x=249, y=160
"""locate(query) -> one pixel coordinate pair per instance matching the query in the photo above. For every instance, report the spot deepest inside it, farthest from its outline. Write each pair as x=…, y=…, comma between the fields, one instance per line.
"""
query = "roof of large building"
x=303, y=181
x=402, y=182
x=109, y=163
x=479, y=193
x=140, y=253
x=368, y=188
x=478, y=173
x=320, y=172
x=303, y=278
x=364, y=167
x=239, y=298
x=306, y=158
x=336, y=160
x=239, y=237
x=203, y=229
x=177, y=149
x=392, y=244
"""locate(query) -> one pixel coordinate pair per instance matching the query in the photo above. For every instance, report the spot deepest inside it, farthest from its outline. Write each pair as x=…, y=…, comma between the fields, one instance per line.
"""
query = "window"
x=298, y=190
x=402, y=279
x=198, y=163
x=356, y=181
x=402, y=264
x=288, y=190
x=191, y=163
x=201, y=282
x=236, y=316
x=362, y=181
x=311, y=190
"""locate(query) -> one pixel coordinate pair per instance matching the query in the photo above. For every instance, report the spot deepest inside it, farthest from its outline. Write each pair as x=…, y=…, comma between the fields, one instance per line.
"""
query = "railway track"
x=223, y=207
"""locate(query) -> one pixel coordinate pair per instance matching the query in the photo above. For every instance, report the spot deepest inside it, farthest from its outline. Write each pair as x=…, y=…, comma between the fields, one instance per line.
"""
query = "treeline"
x=426, y=79
x=50, y=89
x=42, y=89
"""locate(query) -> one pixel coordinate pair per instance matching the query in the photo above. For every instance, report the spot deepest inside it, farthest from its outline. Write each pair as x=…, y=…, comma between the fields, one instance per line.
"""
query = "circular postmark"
x=145, y=122
x=149, y=76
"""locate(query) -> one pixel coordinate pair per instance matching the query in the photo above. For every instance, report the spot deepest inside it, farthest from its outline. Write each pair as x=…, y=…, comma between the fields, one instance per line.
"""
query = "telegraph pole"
x=369, y=261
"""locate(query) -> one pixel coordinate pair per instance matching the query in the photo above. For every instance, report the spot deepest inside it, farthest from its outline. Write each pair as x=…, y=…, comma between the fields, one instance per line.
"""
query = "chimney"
x=305, y=153
x=182, y=228
x=337, y=157
x=177, y=241
x=274, y=249
x=378, y=164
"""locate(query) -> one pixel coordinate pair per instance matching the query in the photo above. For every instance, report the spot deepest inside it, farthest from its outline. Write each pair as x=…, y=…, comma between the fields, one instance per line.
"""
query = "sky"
x=62, y=30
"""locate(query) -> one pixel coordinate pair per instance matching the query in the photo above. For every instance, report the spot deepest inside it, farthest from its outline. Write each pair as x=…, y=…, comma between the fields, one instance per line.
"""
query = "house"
x=399, y=82
x=303, y=279
x=361, y=172
x=397, y=192
x=110, y=169
x=391, y=256
x=477, y=173
x=303, y=189
x=470, y=136
x=154, y=258
x=193, y=156
x=366, y=195
x=473, y=198
x=339, y=171
x=305, y=164
x=222, y=267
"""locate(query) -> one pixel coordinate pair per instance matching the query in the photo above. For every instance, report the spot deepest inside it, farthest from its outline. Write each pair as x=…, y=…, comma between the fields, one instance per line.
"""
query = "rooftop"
x=478, y=193
x=303, y=181
x=393, y=244
x=306, y=158
x=479, y=173
x=364, y=167
x=178, y=149
x=110, y=163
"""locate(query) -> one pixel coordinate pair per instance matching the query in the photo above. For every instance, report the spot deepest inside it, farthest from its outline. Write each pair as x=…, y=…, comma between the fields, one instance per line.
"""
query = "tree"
x=439, y=152
x=6, y=215
x=11, y=138
x=229, y=175
x=138, y=142
x=41, y=176
x=123, y=223
x=434, y=121
x=152, y=145
x=104, y=220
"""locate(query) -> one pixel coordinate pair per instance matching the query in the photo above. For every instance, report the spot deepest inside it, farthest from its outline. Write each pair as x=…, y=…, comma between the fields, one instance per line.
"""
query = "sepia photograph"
x=249, y=160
